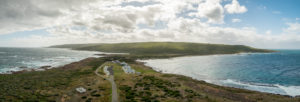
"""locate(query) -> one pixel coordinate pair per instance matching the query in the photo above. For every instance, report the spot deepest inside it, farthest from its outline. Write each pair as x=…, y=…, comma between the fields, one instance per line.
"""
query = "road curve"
x=114, y=89
x=114, y=95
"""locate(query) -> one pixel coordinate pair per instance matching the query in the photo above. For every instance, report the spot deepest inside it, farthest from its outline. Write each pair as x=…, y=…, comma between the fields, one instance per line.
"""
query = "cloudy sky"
x=257, y=23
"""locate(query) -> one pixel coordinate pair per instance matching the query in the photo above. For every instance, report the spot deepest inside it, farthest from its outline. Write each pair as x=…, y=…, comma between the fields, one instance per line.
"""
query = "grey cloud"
x=139, y=4
x=126, y=21
x=118, y=22
x=211, y=10
x=118, y=19
x=215, y=14
x=20, y=15
x=108, y=21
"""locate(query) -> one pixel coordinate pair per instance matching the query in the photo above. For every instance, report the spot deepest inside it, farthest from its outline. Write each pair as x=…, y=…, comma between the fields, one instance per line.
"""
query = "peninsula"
x=142, y=84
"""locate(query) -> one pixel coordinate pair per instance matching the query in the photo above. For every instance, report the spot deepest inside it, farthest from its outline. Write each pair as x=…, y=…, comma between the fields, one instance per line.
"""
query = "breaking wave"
x=276, y=73
x=269, y=88
x=34, y=58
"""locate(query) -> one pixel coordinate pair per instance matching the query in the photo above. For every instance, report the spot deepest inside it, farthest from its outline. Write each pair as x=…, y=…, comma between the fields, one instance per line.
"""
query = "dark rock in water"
x=23, y=67
x=100, y=54
x=17, y=72
x=45, y=67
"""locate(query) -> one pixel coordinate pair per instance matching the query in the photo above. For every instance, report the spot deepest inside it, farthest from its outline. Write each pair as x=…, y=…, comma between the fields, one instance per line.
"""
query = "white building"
x=81, y=90
x=124, y=64
x=117, y=61
x=106, y=71
x=127, y=69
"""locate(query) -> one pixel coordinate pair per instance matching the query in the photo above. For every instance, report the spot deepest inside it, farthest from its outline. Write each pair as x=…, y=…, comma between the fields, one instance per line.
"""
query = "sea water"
x=16, y=59
x=277, y=72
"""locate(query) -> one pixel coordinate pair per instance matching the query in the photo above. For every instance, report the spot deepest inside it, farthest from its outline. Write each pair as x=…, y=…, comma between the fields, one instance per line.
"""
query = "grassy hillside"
x=164, y=48
x=56, y=85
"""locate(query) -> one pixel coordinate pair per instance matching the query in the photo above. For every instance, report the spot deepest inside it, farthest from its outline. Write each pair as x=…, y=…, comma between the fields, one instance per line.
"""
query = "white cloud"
x=212, y=10
x=235, y=20
x=235, y=7
x=268, y=32
x=293, y=28
x=124, y=19
x=180, y=29
x=108, y=21
x=16, y=15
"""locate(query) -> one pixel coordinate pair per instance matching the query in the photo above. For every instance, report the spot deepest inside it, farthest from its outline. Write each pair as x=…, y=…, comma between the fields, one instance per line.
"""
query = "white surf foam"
x=162, y=65
x=9, y=70
x=269, y=88
x=14, y=56
x=290, y=90
x=36, y=63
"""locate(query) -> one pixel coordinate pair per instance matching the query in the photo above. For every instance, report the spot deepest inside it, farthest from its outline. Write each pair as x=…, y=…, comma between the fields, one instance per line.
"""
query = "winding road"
x=112, y=82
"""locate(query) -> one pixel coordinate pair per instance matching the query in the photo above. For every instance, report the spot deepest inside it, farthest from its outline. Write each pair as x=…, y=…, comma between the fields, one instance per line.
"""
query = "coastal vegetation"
x=56, y=84
x=164, y=49
x=59, y=84
x=152, y=86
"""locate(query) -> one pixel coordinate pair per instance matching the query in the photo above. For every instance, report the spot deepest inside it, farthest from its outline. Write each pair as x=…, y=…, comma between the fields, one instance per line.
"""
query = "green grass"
x=164, y=48
x=53, y=84
x=151, y=85
x=139, y=68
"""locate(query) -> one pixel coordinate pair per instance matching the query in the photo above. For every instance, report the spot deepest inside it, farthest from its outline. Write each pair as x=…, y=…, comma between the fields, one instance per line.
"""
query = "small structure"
x=117, y=61
x=105, y=69
x=124, y=64
x=127, y=69
x=81, y=90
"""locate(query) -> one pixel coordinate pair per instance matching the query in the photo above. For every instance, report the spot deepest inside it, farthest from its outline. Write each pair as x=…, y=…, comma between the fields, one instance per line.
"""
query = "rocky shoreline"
x=71, y=65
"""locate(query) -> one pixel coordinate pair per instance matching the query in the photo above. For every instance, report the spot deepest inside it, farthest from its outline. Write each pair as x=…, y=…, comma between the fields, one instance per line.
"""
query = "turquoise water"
x=277, y=73
x=16, y=59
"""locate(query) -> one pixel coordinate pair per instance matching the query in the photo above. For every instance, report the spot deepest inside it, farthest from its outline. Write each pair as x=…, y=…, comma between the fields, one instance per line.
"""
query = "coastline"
x=58, y=82
x=47, y=67
x=273, y=88
x=176, y=56
x=75, y=74
x=47, y=59
x=67, y=66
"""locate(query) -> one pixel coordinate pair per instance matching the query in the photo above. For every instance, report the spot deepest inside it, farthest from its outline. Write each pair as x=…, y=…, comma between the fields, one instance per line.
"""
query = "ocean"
x=16, y=59
x=277, y=73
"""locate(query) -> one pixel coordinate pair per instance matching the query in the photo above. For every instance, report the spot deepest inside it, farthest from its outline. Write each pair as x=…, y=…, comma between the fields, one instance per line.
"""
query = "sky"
x=271, y=24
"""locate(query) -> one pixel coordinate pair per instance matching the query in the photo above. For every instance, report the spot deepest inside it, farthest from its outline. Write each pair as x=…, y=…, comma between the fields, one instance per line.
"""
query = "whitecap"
x=14, y=56
x=269, y=88
x=9, y=70
x=290, y=90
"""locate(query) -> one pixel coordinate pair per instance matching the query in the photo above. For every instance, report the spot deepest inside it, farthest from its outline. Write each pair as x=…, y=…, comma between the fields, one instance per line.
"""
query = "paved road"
x=112, y=82
x=114, y=89
x=97, y=70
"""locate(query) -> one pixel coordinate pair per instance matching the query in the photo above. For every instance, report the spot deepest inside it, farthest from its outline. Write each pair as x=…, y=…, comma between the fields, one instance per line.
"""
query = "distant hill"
x=164, y=48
